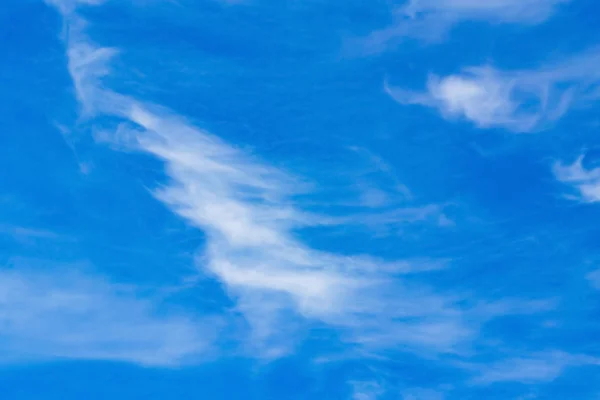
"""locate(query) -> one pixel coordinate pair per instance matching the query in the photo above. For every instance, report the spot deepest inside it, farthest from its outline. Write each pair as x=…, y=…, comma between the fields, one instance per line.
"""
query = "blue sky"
x=251, y=199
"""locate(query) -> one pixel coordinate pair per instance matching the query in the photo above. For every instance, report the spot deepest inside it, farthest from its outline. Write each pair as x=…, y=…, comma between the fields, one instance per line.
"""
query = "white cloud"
x=586, y=182
x=520, y=101
x=242, y=206
x=247, y=212
x=432, y=19
x=66, y=315
x=479, y=95
x=539, y=368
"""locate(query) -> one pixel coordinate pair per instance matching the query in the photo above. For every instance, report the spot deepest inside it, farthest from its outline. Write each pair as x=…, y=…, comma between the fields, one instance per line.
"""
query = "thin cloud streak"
x=534, y=369
x=431, y=20
x=64, y=314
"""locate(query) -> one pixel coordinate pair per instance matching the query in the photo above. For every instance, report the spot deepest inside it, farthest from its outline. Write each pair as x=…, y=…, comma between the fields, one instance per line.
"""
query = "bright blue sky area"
x=299, y=199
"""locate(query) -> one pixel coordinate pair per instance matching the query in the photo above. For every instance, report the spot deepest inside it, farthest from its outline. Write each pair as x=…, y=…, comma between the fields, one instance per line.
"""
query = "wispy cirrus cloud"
x=519, y=101
x=431, y=19
x=62, y=313
x=537, y=368
x=252, y=248
x=585, y=181
x=244, y=207
x=247, y=210
x=480, y=95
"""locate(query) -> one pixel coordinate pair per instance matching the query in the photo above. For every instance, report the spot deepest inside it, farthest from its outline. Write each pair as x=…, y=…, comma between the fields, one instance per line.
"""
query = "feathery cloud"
x=252, y=248
x=430, y=20
x=520, y=101
x=67, y=315
x=246, y=209
x=539, y=368
x=585, y=181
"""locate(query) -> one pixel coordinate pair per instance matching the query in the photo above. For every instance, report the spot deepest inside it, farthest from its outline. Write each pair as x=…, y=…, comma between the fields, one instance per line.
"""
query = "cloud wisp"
x=535, y=369
x=431, y=20
x=64, y=314
x=519, y=101
x=245, y=208
x=585, y=181
x=253, y=247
